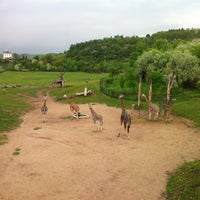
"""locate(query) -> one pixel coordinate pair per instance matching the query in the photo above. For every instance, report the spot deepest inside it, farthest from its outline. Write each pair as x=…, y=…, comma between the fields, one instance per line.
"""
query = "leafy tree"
x=148, y=62
x=186, y=68
x=47, y=58
x=114, y=72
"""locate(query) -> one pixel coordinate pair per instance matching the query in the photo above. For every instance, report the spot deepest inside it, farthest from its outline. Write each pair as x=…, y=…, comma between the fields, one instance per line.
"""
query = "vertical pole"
x=150, y=97
x=139, y=95
x=150, y=91
x=169, y=86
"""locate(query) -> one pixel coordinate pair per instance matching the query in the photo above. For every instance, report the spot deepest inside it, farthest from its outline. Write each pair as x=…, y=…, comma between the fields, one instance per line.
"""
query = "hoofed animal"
x=44, y=109
x=125, y=117
x=169, y=110
x=96, y=117
x=73, y=107
x=152, y=107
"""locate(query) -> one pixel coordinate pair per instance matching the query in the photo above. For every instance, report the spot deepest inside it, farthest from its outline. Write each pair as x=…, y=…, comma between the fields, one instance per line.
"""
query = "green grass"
x=37, y=128
x=184, y=183
x=3, y=139
x=189, y=108
x=13, y=104
x=97, y=96
x=16, y=152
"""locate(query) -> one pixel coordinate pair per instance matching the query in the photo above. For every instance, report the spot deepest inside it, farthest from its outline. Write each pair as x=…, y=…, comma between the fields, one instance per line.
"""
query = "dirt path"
x=63, y=159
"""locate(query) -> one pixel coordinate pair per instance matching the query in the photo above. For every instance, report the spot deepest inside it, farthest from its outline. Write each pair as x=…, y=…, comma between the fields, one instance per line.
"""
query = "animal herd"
x=125, y=117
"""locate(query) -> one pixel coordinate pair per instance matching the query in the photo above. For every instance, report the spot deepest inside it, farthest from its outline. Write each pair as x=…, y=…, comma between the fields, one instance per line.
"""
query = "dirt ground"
x=62, y=159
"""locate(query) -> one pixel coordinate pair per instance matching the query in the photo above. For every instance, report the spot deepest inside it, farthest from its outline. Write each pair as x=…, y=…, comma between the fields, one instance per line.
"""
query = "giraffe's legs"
x=43, y=117
x=97, y=128
x=100, y=127
x=128, y=135
x=77, y=115
x=150, y=114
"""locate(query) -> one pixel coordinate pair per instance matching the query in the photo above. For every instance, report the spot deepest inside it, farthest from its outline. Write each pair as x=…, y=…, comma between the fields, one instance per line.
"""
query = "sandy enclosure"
x=63, y=159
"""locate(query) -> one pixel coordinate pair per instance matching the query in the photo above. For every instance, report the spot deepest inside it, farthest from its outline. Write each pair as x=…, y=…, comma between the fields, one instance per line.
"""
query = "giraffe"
x=96, y=117
x=169, y=110
x=44, y=109
x=73, y=107
x=152, y=107
x=125, y=117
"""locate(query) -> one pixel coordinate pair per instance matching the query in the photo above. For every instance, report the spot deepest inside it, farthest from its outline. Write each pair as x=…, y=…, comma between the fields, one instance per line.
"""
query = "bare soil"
x=63, y=159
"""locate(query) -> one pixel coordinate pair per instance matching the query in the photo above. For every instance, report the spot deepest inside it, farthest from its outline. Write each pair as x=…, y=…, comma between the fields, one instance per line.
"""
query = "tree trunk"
x=169, y=85
x=139, y=95
x=150, y=91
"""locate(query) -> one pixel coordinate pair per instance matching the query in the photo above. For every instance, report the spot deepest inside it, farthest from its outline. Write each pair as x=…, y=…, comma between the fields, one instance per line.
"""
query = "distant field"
x=13, y=105
x=44, y=79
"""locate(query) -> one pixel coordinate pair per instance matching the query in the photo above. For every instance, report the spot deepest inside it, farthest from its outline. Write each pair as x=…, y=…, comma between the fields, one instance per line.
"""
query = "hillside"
x=121, y=48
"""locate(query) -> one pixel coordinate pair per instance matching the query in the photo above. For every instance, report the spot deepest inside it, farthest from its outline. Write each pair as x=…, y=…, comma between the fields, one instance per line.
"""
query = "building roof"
x=7, y=52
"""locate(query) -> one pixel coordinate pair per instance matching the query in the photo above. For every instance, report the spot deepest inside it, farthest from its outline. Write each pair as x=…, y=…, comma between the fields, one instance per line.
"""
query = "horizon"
x=25, y=53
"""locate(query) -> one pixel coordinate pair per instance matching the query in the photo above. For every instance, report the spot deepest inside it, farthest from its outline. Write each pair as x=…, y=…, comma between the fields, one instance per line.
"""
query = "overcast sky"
x=51, y=26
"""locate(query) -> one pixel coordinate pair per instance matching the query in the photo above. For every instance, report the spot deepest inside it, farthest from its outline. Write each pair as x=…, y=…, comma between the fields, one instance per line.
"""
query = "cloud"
x=53, y=25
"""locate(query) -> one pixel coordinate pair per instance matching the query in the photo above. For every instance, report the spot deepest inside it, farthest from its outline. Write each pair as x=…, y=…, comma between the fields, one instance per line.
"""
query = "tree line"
x=153, y=56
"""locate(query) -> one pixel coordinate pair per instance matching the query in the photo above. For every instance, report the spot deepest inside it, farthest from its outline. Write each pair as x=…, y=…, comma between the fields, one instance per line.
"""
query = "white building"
x=7, y=55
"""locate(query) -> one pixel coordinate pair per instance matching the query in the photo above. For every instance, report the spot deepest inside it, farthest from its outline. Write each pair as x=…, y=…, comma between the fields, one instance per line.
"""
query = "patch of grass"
x=184, y=183
x=97, y=96
x=3, y=139
x=188, y=108
x=37, y=128
x=67, y=117
x=12, y=106
x=16, y=152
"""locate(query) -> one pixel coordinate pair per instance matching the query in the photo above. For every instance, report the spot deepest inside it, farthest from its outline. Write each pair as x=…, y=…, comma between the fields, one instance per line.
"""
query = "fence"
x=159, y=97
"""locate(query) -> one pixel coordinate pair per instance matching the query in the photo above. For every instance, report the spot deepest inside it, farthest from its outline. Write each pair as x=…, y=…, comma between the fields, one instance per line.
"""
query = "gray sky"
x=51, y=26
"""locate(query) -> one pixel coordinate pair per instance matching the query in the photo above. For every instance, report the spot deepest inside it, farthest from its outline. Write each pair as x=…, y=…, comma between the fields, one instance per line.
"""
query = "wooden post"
x=150, y=91
x=150, y=95
x=139, y=95
x=169, y=85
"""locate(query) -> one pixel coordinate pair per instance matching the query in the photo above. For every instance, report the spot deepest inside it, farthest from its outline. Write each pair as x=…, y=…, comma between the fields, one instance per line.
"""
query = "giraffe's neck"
x=45, y=102
x=122, y=104
x=69, y=101
x=146, y=99
x=92, y=111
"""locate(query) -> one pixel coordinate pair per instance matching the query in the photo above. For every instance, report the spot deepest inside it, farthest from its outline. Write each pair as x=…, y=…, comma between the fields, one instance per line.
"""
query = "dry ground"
x=63, y=159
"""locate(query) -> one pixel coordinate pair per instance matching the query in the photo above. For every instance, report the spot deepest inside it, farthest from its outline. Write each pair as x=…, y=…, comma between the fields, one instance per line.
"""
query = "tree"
x=148, y=62
x=186, y=68
x=47, y=58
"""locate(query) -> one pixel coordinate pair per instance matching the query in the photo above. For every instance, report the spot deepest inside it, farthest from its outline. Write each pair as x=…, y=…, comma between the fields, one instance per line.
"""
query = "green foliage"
x=100, y=55
x=177, y=34
x=149, y=61
x=196, y=51
x=184, y=183
x=186, y=67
